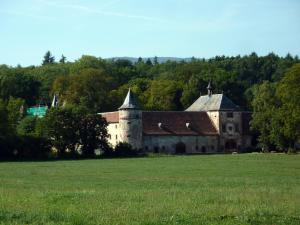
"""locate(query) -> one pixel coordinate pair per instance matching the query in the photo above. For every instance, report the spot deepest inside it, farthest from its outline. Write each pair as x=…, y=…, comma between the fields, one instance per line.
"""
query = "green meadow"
x=210, y=189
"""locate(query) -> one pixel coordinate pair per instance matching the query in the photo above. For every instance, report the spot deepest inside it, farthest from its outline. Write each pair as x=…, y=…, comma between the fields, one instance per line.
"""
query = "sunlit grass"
x=217, y=189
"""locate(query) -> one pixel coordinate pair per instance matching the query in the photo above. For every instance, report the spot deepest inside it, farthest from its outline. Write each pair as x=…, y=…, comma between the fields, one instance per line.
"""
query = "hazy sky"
x=178, y=28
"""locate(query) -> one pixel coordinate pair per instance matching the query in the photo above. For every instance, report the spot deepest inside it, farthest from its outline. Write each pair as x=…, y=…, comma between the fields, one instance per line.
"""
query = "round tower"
x=130, y=121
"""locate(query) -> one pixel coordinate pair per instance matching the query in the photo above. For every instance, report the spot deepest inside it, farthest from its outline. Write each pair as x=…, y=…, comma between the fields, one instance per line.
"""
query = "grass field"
x=218, y=189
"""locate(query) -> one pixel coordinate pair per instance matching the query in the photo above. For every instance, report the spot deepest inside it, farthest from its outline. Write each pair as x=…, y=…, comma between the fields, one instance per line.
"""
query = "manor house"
x=212, y=124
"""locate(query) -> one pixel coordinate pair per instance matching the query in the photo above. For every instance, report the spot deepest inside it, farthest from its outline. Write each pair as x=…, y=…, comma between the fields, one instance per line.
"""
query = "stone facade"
x=213, y=124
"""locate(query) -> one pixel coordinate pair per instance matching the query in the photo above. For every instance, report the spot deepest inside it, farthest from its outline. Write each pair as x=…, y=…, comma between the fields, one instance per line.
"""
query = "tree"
x=62, y=59
x=73, y=128
x=164, y=95
x=88, y=89
x=265, y=115
x=288, y=92
x=27, y=126
x=48, y=58
x=62, y=127
x=155, y=60
x=148, y=62
x=19, y=85
x=140, y=60
x=92, y=134
x=3, y=119
x=16, y=111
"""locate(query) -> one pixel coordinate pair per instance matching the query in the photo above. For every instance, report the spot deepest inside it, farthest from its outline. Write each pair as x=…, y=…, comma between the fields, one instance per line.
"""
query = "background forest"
x=267, y=85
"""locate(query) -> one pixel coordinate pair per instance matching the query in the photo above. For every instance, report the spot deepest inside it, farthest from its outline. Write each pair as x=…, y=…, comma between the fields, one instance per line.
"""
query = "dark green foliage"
x=122, y=150
x=63, y=59
x=16, y=111
x=92, y=134
x=276, y=111
x=48, y=58
x=72, y=130
x=28, y=126
x=3, y=119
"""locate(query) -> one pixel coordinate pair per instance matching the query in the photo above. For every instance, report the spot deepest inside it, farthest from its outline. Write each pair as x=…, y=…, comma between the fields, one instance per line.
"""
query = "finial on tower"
x=209, y=89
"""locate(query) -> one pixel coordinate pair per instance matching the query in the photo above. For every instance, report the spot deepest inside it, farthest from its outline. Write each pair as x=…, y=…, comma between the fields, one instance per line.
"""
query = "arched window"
x=180, y=148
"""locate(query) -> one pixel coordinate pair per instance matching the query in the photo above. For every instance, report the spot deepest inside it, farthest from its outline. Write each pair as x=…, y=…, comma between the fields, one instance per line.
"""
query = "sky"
x=146, y=28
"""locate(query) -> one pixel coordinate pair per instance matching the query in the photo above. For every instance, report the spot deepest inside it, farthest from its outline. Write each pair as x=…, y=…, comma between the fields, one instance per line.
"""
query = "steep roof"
x=111, y=117
x=177, y=123
x=130, y=101
x=213, y=102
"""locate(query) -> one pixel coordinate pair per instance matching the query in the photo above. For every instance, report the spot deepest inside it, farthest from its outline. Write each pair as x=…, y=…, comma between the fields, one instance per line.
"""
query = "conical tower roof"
x=130, y=101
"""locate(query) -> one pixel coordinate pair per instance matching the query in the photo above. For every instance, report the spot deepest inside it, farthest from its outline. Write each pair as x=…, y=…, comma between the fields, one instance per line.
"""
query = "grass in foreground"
x=218, y=189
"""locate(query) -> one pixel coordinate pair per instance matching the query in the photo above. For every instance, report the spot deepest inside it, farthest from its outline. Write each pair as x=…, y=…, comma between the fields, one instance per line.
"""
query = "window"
x=109, y=136
x=128, y=122
x=197, y=147
x=212, y=148
x=230, y=128
x=117, y=137
x=146, y=148
x=163, y=147
x=203, y=149
x=128, y=135
x=237, y=129
x=223, y=127
x=230, y=115
x=116, y=126
x=156, y=149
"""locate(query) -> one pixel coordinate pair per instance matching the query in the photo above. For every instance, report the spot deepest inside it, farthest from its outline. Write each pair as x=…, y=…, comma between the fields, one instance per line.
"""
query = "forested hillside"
x=102, y=84
x=254, y=82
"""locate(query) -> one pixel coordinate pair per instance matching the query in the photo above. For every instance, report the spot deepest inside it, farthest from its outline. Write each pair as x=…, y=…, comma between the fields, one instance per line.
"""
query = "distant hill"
x=159, y=59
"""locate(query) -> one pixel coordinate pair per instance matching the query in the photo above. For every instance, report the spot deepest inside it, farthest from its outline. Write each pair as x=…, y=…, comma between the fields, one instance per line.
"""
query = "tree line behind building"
x=267, y=85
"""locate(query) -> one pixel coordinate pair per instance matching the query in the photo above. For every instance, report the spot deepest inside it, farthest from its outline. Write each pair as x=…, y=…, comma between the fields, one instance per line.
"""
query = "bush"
x=122, y=149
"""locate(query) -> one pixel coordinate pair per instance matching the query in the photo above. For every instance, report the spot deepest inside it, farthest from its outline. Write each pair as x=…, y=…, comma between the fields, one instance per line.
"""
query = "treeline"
x=98, y=85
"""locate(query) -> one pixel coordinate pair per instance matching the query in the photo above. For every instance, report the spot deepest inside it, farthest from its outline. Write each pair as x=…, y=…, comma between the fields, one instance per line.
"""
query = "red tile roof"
x=174, y=123
x=111, y=117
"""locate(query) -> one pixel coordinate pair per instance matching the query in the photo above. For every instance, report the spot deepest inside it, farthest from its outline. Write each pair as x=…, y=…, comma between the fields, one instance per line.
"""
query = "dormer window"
x=188, y=125
x=160, y=126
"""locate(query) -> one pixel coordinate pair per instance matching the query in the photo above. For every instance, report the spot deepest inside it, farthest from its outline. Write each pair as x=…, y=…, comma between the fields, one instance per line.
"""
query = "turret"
x=209, y=89
x=130, y=121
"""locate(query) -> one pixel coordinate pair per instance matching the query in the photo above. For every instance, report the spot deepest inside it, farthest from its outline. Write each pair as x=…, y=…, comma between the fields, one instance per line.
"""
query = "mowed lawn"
x=212, y=189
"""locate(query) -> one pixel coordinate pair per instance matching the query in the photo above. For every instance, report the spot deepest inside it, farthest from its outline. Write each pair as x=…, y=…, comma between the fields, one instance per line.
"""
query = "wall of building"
x=230, y=131
x=130, y=127
x=113, y=134
x=215, y=118
x=193, y=144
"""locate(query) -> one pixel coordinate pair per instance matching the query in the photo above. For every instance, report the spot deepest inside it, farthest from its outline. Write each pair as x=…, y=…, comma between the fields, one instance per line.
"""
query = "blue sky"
x=178, y=28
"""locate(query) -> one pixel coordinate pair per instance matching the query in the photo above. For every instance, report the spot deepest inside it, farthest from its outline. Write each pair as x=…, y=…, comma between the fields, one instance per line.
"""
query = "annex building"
x=212, y=124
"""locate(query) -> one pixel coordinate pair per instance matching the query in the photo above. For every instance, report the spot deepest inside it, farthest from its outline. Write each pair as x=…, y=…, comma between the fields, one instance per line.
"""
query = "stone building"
x=212, y=124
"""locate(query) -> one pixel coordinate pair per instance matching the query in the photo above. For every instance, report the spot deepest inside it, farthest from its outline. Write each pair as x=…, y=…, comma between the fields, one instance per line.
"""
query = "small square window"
x=229, y=115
